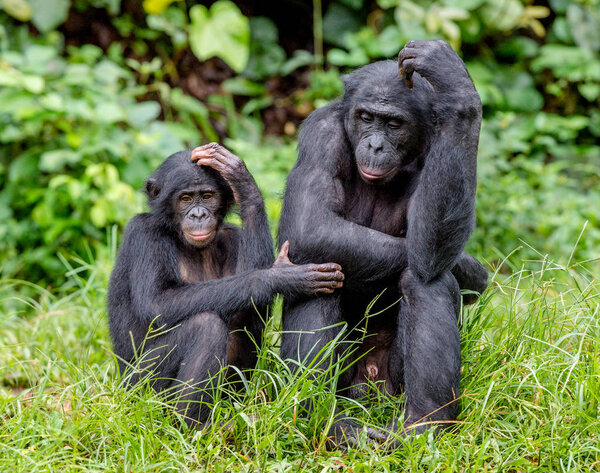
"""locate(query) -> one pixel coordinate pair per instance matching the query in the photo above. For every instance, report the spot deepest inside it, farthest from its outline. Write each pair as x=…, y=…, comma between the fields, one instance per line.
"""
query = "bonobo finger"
x=211, y=163
x=330, y=284
x=325, y=290
x=326, y=267
x=327, y=276
x=203, y=151
x=228, y=154
x=378, y=434
x=406, y=69
x=282, y=257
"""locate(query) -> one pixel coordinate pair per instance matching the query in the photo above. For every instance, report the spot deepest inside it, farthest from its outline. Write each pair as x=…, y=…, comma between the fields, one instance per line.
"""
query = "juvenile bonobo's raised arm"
x=178, y=257
x=442, y=215
x=256, y=244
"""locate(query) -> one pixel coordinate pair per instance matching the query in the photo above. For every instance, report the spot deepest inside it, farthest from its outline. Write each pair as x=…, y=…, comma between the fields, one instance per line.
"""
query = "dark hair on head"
x=178, y=172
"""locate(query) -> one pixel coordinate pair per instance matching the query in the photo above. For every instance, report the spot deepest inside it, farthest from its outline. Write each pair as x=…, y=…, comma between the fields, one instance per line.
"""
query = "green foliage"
x=77, y=141
x=80, y=127
x=539, y=149
x=221, y=31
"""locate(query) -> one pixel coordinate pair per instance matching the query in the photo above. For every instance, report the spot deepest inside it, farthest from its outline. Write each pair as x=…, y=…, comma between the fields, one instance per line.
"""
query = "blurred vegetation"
x=95, y=93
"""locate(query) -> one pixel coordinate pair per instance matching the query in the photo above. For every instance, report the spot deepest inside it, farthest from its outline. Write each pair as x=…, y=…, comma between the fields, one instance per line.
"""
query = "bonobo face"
x=385, y=141
x=196, y=209
x=386, y=122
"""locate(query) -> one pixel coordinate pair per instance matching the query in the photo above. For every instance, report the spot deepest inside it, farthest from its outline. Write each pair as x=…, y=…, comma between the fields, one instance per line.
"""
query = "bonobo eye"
x=366, y=117
x=395, y=124
x=207, y=196
x=186, y=198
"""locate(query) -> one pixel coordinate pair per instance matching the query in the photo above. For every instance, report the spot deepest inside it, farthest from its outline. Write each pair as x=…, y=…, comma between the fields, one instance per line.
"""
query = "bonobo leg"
x=186, y=360
x=307, y=329
x=428, y=343
x=308, y=326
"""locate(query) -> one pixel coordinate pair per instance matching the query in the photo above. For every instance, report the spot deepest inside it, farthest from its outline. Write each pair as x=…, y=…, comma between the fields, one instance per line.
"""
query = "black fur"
x=199, y=293
x=385, y=186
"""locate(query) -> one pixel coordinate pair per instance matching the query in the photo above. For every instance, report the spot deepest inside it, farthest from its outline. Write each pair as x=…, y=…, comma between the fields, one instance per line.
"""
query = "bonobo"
x=186, y=287
x=385, y=186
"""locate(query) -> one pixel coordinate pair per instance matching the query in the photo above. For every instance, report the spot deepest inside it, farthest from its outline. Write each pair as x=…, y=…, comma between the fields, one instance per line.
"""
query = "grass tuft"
x=530, y=396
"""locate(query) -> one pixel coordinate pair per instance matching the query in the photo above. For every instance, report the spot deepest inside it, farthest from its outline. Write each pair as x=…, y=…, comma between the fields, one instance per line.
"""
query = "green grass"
x=530, y=392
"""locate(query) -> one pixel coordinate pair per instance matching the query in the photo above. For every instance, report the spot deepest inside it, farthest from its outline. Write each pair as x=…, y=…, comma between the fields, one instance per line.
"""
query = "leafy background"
x=95, y=93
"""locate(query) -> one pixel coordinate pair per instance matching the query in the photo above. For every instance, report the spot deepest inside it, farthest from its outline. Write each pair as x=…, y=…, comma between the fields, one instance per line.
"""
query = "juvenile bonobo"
x=385, y=186
x=197, y=281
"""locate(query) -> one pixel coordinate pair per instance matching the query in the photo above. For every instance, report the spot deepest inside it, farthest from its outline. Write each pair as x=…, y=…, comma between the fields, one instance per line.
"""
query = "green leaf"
x=34, y=84
x=590, y=91
x=242, y=86
x=18, y=9
x=221, y=31
x=503, y=15
x=48, y=14
x=140, y=114
x=53, y=161
x=585, y=27
x=337, y=22
x=300, y=58
x=356, y=57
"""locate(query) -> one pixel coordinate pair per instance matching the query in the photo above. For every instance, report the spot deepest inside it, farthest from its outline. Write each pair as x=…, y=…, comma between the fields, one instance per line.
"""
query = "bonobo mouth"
x=372, y=175
x=199, y=236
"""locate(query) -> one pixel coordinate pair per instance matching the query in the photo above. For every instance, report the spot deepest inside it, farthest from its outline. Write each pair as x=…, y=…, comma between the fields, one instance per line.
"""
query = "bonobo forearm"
x=364, y=254
x=224, y=296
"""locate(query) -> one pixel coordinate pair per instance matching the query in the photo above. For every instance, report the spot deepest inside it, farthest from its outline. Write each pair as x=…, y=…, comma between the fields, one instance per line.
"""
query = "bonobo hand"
x=229, y=166
x=437, y=62
x=306, y=279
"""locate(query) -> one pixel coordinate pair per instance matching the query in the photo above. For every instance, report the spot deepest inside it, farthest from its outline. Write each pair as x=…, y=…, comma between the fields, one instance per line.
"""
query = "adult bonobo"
x=198, y=281
x=385, y=186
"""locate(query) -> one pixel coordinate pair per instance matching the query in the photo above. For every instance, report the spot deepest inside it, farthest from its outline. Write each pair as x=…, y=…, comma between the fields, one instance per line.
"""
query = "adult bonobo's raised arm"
x=442, y=211
x=385, y=186
x=321, y=194
x=197, y=280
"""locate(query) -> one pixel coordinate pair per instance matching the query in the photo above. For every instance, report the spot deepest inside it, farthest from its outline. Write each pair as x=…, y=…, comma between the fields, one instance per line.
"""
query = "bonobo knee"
x=439, y=290
x=205, y=325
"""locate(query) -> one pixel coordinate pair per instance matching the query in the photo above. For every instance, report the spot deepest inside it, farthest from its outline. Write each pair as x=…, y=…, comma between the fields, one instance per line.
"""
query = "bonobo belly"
x=377, y=333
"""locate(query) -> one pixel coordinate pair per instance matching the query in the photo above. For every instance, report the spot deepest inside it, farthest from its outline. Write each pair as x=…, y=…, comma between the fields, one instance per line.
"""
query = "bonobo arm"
x=442, y=211
x=311, y=215
x=256, y=245
x=157, y=294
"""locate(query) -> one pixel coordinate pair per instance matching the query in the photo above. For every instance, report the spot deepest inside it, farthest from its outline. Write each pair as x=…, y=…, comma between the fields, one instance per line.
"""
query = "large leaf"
x=18, y=9
x=585, y=26
x=221, y=31
x=48, y=14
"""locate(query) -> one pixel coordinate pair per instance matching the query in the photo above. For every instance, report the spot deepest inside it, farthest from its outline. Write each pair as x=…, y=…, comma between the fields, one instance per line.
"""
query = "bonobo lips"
x=372, y=175
x=199, y=236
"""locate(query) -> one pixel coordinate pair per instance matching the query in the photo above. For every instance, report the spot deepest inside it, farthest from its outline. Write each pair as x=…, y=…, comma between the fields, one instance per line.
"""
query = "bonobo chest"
x=198, y=266
x=382, y=209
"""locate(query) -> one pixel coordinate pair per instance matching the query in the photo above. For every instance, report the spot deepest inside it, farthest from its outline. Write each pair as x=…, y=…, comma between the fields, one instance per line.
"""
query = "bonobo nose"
x=376, y=143
x=198, y=213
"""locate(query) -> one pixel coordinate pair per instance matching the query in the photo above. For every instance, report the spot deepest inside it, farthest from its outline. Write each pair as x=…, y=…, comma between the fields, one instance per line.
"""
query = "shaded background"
x=96, y=93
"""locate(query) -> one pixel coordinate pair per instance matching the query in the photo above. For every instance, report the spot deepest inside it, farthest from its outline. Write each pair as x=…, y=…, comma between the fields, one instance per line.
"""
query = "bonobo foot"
x=345, y=434
x=471, y=275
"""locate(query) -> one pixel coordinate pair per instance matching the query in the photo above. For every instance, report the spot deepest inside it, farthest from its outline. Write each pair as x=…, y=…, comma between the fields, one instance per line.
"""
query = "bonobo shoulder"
x=143, y=227
x=324, y=122
x=322, y=133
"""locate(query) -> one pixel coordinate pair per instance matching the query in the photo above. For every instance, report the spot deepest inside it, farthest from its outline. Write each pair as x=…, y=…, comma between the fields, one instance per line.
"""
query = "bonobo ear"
x=152, y=188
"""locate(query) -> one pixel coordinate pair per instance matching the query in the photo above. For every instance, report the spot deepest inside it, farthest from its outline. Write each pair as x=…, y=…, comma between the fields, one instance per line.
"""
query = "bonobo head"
x=188, y=199
x=385, y=121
